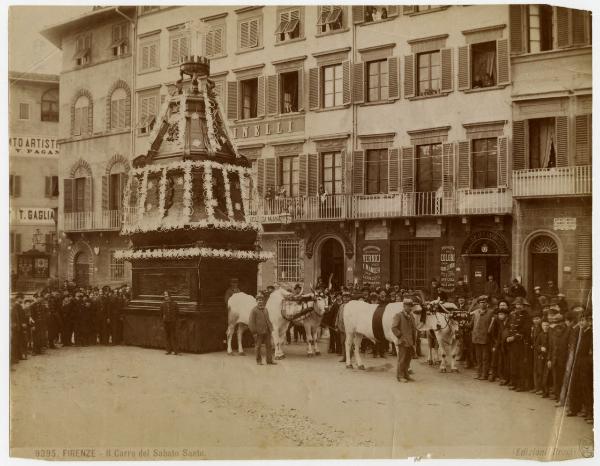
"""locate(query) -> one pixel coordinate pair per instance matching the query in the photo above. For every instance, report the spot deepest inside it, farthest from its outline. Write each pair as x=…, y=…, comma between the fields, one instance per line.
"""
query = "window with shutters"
x=249, y=33
x=50, y=105
x=119, y=112
x=429, y=167
x=289, y=175
x=333, y=86
x=115, y=190
x=288, y=92
x=83, y=49
x=147, y=111
x=483, y=65
x=14, y=186
x=410, y=264
x=249, y=98
x=23, y=111
x=179, y=47
x=377, y=171
x=51, y=186
x=542, y=142
x=484, y=158
x=289, y=25
x=81, y=120
x=377, y=80
x=120, y=39
x=148, y=55
x=117, y=267
x=374, y=13
x=428, y=73
x=79, y=195
x=289, y=261
x=331, y=172
x=330, y=18
x=214, y=41
x=541, y=34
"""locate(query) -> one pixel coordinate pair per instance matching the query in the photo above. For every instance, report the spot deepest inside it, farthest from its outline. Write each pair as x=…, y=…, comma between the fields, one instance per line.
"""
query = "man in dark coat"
x=405, y=329
x=339, y=323
x=491, y=288
x=519, y=331
x=15, y=332
x=116, y=306
x=497, y=343
x=540, y=354
x=461, y=289
x=559, y=351
x=463, y=317
x=517, y=290
x=68, y=311
x=482, y=319
x=170, y=315
x=261, y=327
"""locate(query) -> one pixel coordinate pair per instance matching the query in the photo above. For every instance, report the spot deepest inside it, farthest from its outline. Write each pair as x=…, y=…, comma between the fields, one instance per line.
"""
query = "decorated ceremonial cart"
x=186, y=205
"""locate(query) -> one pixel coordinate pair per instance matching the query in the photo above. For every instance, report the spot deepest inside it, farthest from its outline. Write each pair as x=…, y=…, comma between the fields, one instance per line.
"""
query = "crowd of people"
x=66, y=315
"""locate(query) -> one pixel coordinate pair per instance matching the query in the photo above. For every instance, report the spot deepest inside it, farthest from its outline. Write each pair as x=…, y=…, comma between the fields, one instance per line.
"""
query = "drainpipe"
x=354, y=146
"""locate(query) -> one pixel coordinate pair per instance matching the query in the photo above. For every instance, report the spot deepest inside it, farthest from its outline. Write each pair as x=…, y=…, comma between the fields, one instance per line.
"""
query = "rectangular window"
x=115, y=191
x=485, y=163
x=79, y=198
x=429, y=73
x=483, y=64
x=288, y=92
x=331, y=169
x=289, y=25
x=215, y=41
x=330, y=18
x=117, y=268
x=23, y=111
x=120, y=39
x=429, y=167
x=377, y=171
x=289, y=176
x=289, y=261
x=50, y=106
x=147, y=110
x=249, y=33
x=249, y=97
x=179, y=48
x=51, y=186
x=83, y=49
x=149, y=55
x=374, y=13
x=542, y=140
x=412, y=264
x=332, y=86
x=541, y=19
x=14, y=185
x=377, y=80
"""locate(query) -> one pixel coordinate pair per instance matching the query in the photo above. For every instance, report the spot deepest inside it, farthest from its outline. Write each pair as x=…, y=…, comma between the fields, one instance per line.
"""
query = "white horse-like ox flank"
x=311, y=321
x=239, y=307
x=438, y=317
x=359, y=323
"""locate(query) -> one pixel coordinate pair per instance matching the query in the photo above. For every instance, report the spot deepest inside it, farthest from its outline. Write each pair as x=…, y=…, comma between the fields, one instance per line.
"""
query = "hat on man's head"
x=518, y=300
x=537, y=288
x=560, y=295
x=407, y=301
x=483, y=298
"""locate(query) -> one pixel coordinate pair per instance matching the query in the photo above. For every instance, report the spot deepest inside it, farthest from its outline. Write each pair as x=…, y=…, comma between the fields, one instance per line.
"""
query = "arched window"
x=114, y=186
x=82, y=120
x=50, y=105
x=119, y=115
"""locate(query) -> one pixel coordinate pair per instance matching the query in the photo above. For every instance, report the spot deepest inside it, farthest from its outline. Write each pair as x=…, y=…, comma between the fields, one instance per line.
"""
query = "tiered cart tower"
x=186, y=214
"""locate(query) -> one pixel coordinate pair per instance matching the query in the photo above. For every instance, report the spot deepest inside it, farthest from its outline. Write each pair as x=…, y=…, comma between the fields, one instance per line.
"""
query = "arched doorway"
x=543, y=261
x=332, y=261
x=485, y=252
x=81, y=272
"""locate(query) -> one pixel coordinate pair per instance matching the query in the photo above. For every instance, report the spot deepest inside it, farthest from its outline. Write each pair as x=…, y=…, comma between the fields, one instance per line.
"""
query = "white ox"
x=239, y=307
x=359, y=323
x=311, y=321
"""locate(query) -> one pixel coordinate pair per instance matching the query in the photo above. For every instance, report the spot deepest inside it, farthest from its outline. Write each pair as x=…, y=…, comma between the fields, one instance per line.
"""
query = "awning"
x=281, y=27
x=335, y=15
x=118, y=43
x=291, y=26
x=81, y=53
x=146, y=121
x=323, y=18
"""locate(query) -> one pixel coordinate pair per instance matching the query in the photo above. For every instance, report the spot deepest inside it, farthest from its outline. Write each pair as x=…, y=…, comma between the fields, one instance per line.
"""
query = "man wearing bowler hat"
x=405, y=329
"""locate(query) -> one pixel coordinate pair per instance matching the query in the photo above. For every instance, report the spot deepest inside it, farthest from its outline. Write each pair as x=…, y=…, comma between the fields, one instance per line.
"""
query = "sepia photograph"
x=316, y=231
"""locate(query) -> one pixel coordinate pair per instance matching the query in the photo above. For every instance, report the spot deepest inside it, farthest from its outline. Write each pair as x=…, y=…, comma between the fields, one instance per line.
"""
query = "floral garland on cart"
x=187, y=253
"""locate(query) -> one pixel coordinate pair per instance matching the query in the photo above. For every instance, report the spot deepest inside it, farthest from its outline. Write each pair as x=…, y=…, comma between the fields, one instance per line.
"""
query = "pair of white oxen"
x=358, y=324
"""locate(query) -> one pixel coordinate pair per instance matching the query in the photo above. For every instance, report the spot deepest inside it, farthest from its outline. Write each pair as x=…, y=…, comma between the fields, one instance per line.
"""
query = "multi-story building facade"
x=96, y=140
x=395, y=142
x=34, y=157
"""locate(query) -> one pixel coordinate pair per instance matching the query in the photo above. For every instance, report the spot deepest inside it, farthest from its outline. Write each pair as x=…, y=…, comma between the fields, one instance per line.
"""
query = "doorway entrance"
x=332, y=262
x=82, y=269
x=543, y=261
x=480, y=269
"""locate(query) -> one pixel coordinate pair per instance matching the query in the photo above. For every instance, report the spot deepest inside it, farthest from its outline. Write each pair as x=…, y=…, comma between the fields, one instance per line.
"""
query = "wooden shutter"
x=448, y=169
x=48, y=186
x=253, y=33
x=519, y=144
x=408, y=9
x=517, y=32
x=270, y=173
x=313, y=88
x=232, y=100
x=68, y=195
x=346, y=82
x=464, y=67
x=244, y=34
x=343, y=174
x=464, y=165
x=584, y=255
x=579, y=18
x=562, y=141
x=408, y=169
x=302, y=173
x=85, y=116
x=260, y=99
x=16, y=186
x=272, y=94
x=563, y=35
x=105, y=192
x=209, y=44
x=583, y=139
x=358, y=83
x=261, y=177
x=358, y=14
x=300, y=89
x=503, y=61
x=313, y=174
x=393, y=170
x=409, y=76
x=446, y=56
x=394, y=78
x=153, y=56
x=88, y=193
x=358, y=169
x=145, y=57
x=502, y=161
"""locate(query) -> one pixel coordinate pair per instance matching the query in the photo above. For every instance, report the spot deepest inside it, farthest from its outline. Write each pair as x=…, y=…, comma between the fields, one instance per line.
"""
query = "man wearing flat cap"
x=405, y=329
x=482, y=319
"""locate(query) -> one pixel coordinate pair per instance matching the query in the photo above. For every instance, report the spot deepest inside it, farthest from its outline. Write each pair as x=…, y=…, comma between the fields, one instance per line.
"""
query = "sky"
x=27, y=49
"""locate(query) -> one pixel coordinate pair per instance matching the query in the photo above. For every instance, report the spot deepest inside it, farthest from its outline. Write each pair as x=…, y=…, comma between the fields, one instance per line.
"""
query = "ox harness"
x=307, y=306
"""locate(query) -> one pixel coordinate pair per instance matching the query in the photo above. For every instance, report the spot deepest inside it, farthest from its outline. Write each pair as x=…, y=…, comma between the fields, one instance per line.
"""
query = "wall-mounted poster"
x=371, y=265
x=448, y=267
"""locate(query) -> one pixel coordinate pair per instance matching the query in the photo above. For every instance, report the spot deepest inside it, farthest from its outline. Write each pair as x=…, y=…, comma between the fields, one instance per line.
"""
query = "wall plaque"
x=565, y=223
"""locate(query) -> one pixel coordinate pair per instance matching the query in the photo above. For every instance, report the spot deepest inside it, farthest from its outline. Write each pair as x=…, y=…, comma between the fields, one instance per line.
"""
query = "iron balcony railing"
x=93, y=220
x=558, y=181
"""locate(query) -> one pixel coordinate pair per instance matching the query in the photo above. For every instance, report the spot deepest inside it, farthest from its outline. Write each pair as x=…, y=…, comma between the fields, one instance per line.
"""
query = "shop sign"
x=565, y=223
x=32, y=216
x=371, y=265
x=428, y=229
x=376, y=231
x=268, y=128
x=447, y=267
x=33, y=146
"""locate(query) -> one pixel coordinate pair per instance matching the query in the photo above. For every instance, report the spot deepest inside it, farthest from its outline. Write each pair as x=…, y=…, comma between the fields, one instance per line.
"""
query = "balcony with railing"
x=483, y=201
x=558, y=181
x=93, y=220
